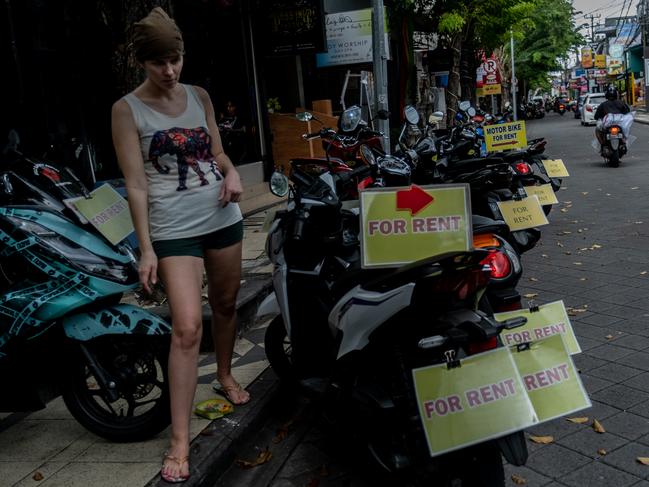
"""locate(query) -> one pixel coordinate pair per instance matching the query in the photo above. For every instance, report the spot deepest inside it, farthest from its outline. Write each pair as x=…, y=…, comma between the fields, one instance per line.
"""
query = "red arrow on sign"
x=414, y=199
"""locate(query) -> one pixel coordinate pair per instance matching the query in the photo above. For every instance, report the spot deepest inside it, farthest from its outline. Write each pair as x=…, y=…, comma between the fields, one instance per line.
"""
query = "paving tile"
x=585, y=362
x=599, y=411
x=588, y=442
x=609, y=352
x=640, y=381
x=532, y=478
x=639, y=360
x=599, y=475
x=31, y=440
x=589, y=331
x=558, y=428
x=625, y=459
x=614, y=372
x=555, y=461
x=620, y=396
x=102, y=475
x=587, y=344
x=636, y=327
x=594, y=384
x=627, y=425
x=633, y=341
x=12, y=472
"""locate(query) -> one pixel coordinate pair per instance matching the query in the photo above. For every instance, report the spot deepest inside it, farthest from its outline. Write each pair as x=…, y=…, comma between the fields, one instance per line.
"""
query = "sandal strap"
x=179, y=461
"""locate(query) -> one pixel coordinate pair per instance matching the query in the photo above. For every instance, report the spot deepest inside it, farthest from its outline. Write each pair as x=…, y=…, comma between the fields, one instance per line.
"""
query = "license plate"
x=611, y=136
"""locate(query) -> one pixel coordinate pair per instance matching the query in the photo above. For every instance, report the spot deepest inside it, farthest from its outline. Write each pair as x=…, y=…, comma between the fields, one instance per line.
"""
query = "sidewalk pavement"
x=49, y=448
x=641, y=116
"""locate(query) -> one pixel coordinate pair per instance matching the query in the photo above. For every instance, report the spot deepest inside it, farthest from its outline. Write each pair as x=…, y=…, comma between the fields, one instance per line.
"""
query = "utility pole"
x=511, y=32
x=592, y=40
x=380, y=70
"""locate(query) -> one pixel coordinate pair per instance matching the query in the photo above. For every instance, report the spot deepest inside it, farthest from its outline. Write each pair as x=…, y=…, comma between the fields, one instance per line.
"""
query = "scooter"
x=62, y=327
x=615, y=145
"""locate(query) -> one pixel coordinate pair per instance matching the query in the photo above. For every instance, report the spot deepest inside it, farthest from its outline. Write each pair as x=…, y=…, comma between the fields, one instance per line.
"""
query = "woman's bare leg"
x=223, y=268
x=182, y=277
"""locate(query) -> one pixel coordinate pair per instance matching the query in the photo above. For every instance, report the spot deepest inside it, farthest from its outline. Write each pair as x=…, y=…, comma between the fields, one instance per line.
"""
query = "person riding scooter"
x=611, y=105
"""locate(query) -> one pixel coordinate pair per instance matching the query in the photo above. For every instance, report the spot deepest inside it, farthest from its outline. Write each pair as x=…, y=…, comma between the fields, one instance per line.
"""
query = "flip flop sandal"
x=179, y=461
x=226, y=392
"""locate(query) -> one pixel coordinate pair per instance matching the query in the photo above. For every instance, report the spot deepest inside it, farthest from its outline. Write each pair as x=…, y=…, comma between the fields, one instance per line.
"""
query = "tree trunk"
x=468, y=67
x=453, y=92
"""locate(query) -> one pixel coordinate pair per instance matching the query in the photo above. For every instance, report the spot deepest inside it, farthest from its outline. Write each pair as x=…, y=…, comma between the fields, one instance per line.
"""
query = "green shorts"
x=196, y=246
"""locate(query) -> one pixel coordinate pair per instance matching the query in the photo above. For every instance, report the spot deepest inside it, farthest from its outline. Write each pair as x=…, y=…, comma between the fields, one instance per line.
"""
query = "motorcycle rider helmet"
x=611, y=93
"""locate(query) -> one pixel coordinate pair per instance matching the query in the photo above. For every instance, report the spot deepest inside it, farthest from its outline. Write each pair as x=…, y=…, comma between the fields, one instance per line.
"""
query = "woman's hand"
x=231, y=188
x=148, y=270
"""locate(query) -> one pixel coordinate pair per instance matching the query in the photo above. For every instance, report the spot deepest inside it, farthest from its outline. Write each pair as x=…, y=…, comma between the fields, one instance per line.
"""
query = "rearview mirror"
x=471, y=111
x=278, y=184
x=435, y=117
x=465, y=105
x=304, y=116
x=411, y=115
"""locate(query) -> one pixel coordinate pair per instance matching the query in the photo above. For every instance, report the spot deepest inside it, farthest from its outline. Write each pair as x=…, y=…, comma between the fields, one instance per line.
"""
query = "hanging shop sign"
x=488, y=78
x=349, y=38
x=403, y=225
x=600, y=61
x=543, y=321
x=586, y=57
x=292, y=27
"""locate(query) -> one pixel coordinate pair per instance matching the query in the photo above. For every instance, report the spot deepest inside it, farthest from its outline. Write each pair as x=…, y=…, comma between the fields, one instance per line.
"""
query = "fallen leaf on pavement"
x=583, y=279
x=638, y=223
x=597, y=426
x=635, y=187
x=568, y=252
x=530, y=295
x=564, y=210
x=38, y=477
x=542, y=440
x=608, y=194
x=578, y=420
x=577, y=263
x=643, y=273
x=518, y=480
x=559, y=244
x=264, y=457
x=545, y=256
x=533, y=279
x=602, y=452
x=567, y=202
x=609, y=337
x=282, y=432
x=584, y=193
x=643, y=460
x=596, y=246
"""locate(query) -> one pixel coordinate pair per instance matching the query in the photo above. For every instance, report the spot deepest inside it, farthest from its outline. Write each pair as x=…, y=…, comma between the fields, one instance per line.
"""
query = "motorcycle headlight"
x=77, y=255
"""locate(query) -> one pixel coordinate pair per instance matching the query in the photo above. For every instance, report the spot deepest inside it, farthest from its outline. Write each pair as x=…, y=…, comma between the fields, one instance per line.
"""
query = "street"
x=593, y=255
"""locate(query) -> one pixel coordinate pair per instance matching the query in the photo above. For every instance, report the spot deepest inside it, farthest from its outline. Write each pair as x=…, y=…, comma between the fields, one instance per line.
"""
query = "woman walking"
x=183, y=192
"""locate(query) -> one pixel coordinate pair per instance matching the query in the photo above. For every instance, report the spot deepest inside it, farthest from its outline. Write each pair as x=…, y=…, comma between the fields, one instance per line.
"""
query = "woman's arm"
x=231, y=188
x=127, y=147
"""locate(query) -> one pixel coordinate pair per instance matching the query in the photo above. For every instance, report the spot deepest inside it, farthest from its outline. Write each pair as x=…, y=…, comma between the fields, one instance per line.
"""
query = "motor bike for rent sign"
x=551, y=379
x=505, y=136
x=482, y=399
x=403, y=225
x=546, y=320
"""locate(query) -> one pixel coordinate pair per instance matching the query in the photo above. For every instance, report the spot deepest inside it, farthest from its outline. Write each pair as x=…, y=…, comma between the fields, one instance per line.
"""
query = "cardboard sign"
x=522, y=214
x=483, y=399
x=403, y=225
x=505, y=136
x=555, y=168
x=551, y=319
x=107, y=211
x=551, y=379
x=544, y=193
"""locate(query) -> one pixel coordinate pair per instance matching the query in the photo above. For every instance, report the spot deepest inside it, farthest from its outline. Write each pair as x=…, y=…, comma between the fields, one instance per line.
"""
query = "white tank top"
x=182, y=175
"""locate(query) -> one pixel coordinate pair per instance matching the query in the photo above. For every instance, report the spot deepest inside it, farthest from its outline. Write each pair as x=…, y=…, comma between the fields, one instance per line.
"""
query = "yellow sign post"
x=522, y=214
x=107, y=211
x=551, y=379
x=482, y=399
x=403, y=225
x=505, y=136
x=491, y=89
x=555, y=168
x=544, y=193
x=550, y=319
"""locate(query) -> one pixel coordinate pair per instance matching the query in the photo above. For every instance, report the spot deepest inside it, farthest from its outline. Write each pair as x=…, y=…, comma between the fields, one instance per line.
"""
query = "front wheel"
x=136, y=370
x=614, y=158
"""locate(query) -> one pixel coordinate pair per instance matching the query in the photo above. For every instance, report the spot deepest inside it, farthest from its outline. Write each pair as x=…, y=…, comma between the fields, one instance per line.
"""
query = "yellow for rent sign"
x=505, y=136
x=522, y=214
x=403, y=225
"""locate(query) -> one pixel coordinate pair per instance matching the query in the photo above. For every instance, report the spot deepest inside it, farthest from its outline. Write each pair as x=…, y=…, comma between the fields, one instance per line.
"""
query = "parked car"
x=580, y=105
x=591, y=102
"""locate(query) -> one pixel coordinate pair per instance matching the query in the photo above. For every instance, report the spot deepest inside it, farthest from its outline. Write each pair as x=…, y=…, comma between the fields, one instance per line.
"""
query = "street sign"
x=551, y=379
x=550, y=319
x=403, y=225
x=522, y=214
x=483, y=399
x=491, y=90
x=504, y=136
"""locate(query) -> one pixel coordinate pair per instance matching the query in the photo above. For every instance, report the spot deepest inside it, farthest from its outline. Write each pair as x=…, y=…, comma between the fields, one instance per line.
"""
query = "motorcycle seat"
x=483, y=224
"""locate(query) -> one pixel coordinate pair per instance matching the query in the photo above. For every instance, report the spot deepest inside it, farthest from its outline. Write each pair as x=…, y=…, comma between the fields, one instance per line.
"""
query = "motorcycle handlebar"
x=298, y=227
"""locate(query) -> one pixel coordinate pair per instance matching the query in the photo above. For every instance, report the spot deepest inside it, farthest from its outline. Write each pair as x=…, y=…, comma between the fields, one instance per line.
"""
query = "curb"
x=214, y=449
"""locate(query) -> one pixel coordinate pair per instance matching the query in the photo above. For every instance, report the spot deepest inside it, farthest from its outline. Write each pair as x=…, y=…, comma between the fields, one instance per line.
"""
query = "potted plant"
x=273, y=105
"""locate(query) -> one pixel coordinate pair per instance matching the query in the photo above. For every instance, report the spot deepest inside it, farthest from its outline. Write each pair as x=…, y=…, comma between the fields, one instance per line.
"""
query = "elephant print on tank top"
x=190, y=146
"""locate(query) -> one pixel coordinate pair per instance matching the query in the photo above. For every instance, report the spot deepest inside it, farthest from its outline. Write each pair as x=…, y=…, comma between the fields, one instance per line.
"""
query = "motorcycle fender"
x=269, y=306
x=514, y=448
x=122, y=319
x=360, y=312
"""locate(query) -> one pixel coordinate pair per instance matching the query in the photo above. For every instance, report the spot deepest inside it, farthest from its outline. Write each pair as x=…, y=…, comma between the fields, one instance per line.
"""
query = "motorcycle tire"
x=139, y=366
x=277, y=345
x=614, y=159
